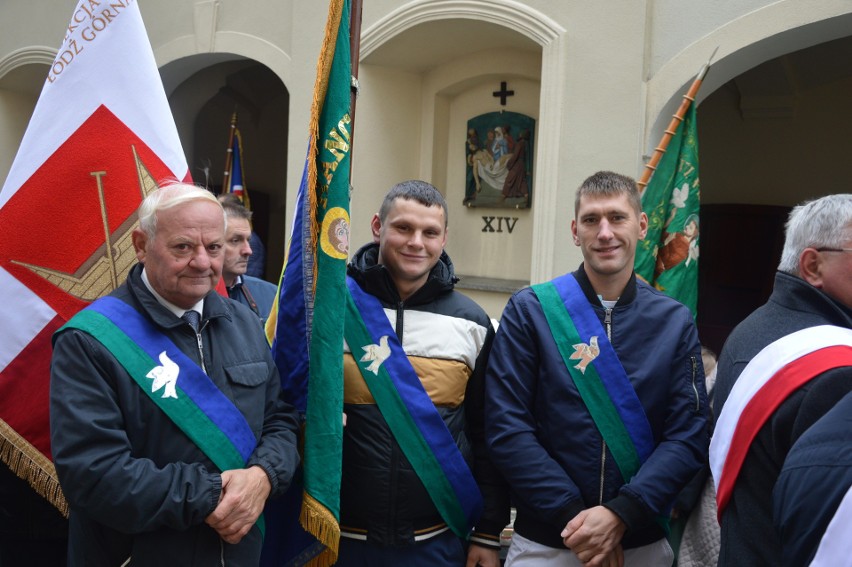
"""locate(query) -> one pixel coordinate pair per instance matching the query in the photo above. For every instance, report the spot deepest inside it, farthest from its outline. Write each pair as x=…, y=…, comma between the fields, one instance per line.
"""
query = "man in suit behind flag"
x=781, y=369
x=102, y=128
x=305, y=328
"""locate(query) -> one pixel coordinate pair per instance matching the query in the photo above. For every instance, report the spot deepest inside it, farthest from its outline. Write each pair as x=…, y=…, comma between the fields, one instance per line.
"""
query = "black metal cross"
x=503, y=93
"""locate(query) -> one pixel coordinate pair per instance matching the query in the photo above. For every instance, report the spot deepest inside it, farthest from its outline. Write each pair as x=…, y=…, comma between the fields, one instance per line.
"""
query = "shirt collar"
x=178, y=311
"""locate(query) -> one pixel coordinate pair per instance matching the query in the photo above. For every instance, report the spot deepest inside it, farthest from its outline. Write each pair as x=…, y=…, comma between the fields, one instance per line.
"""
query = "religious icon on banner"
x=499, y=158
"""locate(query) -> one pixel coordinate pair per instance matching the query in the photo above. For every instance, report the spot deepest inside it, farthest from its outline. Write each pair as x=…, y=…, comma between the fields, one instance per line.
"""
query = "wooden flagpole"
x=355, y=55
x=229, y=157
x=669, y=133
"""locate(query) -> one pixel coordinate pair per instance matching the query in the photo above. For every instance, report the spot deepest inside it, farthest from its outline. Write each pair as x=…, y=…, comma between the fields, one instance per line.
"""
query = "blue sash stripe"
x=193, y=381
x=419, y=405
x=608, y=366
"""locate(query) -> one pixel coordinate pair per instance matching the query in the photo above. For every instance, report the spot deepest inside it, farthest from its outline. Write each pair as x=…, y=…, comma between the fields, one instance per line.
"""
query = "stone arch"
x=744, y=43
x=550, y=36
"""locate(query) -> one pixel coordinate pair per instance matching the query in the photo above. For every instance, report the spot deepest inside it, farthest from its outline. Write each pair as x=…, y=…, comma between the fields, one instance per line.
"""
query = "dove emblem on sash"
x=165, y=376
x=585, y=353
x=376, y=354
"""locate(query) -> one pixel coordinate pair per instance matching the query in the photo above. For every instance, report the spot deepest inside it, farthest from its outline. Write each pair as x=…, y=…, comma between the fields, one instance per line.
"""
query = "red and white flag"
x=101, y=137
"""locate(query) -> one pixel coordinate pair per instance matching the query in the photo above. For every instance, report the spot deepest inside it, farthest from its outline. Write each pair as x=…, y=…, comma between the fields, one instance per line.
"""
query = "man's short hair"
x=414, y=190
x=609, y=184
x=234, y=208
x=821, y=223
x=169, y=196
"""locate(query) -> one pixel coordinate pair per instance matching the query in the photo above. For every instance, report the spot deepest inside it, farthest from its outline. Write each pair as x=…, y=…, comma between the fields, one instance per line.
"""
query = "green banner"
x=668, y=257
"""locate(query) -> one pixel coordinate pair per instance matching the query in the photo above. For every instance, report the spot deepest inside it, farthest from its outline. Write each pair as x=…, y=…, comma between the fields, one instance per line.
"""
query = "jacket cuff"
x=216, y=493
x=630, y=510
x=487, y=540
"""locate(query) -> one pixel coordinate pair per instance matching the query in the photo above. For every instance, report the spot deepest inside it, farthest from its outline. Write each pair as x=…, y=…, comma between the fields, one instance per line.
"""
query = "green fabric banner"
x=668, y=257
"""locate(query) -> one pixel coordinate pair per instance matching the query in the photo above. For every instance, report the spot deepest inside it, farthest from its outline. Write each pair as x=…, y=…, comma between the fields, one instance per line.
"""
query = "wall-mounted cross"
x=503, y=93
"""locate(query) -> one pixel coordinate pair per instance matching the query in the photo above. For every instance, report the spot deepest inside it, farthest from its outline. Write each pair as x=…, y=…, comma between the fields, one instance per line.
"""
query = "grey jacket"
x=137, y=486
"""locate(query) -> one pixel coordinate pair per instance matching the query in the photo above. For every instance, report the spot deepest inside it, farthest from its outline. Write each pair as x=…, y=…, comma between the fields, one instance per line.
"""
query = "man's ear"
x=376, y=227
x=574, y=232
x=643, y=225
x=140, y=243
x=810, y=267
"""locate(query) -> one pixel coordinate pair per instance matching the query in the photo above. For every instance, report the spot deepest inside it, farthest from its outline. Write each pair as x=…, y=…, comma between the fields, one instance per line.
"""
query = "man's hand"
x=482, y=556
x=594, y=535
x=244, y=493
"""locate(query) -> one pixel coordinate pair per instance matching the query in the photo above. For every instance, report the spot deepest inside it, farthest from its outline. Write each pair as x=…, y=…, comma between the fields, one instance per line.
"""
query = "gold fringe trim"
x=329, y=43
x=322, y=524
x=29, y=464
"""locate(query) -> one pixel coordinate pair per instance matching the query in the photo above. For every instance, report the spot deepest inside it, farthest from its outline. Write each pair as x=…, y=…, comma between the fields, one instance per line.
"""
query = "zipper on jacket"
x=201, y=345
x=222, y=551
x=603, y=467
x=695, y=384
x=400, y=307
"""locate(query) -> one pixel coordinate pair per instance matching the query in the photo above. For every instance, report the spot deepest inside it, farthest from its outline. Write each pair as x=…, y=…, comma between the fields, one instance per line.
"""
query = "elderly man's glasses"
x=833, y=249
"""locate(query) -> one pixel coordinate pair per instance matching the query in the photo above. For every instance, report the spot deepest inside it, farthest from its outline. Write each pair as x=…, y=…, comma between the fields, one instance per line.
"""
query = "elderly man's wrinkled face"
x=184, y=259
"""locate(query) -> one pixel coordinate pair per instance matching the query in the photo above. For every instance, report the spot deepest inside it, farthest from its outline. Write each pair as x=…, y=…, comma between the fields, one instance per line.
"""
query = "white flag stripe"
x=75, y=89
x=754, y=376
x=22, y=318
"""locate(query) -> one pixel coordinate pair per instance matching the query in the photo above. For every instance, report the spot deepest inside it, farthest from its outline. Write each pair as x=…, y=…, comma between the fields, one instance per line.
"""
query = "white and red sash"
x=771, y=376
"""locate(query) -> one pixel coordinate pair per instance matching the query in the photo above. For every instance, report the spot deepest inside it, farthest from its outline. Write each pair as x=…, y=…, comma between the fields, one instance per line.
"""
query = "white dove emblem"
x=679, y=196
x=585, y=353
x=376, y=354
x=165, y=375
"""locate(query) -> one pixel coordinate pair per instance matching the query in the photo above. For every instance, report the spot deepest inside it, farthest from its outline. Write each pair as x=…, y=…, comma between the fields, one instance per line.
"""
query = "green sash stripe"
x=182, y=411
x=590, y=386
x=405, y=430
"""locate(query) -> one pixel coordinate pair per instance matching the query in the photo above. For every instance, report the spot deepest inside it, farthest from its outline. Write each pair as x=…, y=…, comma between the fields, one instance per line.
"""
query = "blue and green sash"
x=410, y=413
x=200, y=409
x=604, y=386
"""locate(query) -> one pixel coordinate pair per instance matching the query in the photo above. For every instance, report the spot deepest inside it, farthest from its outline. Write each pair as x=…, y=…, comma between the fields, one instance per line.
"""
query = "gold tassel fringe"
x=322, y=524
x=29, y=464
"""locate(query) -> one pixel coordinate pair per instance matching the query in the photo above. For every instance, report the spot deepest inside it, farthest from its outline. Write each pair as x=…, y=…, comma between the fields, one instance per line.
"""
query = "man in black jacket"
x=415, y=482
x=167, y=426
x=782, y=348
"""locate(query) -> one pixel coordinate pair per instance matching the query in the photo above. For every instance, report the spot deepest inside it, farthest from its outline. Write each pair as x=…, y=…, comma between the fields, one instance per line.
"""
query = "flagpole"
x=669, y=133
x=229, y=157
x=355, y=56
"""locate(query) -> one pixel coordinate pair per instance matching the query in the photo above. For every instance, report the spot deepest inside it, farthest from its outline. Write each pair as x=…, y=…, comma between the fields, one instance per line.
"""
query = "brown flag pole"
x=355, y=55
x=669, y=133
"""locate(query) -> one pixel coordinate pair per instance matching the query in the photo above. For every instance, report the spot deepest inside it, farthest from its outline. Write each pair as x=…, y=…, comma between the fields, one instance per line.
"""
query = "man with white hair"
x=781, y=369
x=167, y=426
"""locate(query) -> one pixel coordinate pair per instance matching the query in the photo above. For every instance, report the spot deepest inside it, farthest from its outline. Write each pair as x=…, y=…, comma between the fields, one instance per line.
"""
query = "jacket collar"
x=795, y=293
x=374, y=278
x=215, y=305
x=627, y=295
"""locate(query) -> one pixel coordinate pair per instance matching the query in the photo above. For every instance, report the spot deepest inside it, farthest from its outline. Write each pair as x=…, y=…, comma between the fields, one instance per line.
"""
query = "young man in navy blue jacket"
x=595, y=401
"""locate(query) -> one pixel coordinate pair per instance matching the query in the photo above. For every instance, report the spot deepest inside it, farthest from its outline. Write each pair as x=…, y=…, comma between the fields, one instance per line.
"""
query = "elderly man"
x=781, y=370
x=167, y=427
x=596, y=412
x=256, y=293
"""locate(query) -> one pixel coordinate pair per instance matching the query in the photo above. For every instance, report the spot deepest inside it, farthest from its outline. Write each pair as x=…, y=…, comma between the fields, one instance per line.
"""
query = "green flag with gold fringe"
x=668, y=256
x=305, y=326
